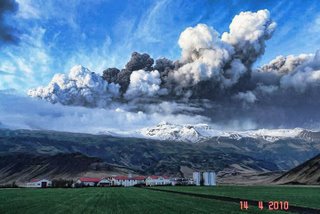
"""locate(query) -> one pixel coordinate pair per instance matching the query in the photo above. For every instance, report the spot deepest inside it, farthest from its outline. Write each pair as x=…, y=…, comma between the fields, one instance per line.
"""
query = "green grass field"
x=111, y=200
x=296, y=195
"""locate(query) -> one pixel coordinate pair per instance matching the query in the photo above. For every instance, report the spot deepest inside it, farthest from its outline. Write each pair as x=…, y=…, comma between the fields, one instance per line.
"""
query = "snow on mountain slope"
x=271, y=135
x=185, y=133
x=200, y=132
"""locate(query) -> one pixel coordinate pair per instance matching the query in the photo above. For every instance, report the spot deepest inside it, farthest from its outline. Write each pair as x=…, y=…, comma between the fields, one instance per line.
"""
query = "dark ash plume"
x=8, y=34
x=140, y=61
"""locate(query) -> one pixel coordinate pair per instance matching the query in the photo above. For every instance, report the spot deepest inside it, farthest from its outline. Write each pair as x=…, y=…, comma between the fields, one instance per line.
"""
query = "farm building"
x=154, y=180
x=140, y=179
x=84, y=181
x=127, y=181
x=39, y=183
x=181, y=181
x=120, y=180
x=104, y=182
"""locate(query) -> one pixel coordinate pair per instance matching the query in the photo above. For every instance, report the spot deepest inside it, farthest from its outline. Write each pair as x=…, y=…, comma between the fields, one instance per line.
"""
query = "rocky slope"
x=23, y=167
x=306, y=173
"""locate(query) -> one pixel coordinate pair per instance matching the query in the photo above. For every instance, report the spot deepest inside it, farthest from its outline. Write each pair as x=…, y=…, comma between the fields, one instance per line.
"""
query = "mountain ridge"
x=194, y=133
x=227, y=155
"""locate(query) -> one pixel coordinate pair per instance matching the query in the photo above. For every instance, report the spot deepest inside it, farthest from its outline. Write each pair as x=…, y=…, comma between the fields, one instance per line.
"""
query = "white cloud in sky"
x=45, y=10
x=27, y=63
x=20, y=112
x=27, y=10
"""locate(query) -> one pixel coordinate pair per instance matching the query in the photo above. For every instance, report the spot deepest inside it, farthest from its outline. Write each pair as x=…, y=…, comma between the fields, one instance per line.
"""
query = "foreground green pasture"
x=305, y=196
x=109, y=200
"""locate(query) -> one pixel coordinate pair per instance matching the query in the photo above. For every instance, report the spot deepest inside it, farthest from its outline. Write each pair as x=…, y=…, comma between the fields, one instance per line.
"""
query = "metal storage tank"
x=209, y=178
x=212, y=176
x=196, y=178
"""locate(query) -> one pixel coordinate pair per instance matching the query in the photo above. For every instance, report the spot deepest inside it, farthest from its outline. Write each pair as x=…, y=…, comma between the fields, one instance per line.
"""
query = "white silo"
x=212, y=176
x=206, y=178
x=209, y=178
x=196, y=178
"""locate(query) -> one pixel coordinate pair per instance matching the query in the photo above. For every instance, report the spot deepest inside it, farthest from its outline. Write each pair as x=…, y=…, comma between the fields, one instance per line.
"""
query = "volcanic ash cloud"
x=215, y=74
x=80, y=87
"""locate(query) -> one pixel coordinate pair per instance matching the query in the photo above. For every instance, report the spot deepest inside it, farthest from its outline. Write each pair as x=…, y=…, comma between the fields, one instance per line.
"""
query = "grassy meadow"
x=305, y=196
x=140, y=200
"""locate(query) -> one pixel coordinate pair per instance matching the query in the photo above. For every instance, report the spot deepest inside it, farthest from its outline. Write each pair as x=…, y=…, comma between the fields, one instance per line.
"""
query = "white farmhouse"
x=39, y=183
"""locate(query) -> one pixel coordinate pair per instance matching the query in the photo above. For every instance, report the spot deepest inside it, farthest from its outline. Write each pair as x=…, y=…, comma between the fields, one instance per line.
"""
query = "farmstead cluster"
x=199, y=178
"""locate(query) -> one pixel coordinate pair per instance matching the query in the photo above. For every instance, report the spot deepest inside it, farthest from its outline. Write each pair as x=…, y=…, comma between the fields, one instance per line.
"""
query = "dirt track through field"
x=292, y=208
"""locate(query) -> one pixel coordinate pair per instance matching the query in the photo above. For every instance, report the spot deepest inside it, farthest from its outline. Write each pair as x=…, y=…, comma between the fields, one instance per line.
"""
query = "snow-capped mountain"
x=200, y=132
x=185, y=133
x=272, y=135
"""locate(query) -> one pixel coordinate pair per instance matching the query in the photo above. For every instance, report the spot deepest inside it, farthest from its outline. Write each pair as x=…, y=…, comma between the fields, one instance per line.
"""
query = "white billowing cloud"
x=285, y=73
x=203, y=53
x=282, y=65
x=20, y=112
x=298, y=72
x=143, y=83
x=301, y=80
x=248, y=97
x=194, y=39
x=80, y=87
x=206, y=56
x=248, y=33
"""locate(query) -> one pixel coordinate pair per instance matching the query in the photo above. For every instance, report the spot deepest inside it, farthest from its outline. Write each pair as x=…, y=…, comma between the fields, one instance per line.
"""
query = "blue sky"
x=57, y=34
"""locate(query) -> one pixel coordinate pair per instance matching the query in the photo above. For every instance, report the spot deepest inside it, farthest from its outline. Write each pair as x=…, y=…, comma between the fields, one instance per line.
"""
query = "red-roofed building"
x=121, y=177
x=140, y=180
x=153, y=177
